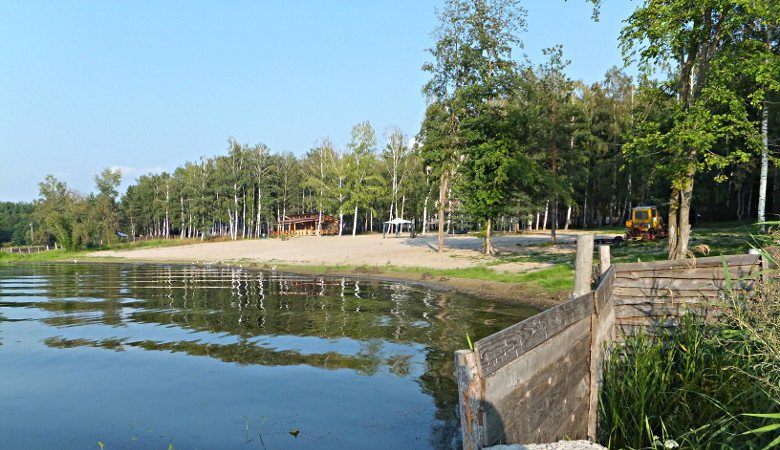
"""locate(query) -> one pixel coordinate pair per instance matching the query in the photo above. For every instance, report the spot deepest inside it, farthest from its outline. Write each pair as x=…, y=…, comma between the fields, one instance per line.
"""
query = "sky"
x=147, y=85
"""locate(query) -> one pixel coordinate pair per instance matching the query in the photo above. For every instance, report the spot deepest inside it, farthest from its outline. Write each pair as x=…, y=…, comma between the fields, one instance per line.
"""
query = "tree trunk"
x=181, y=204
x=443, y=180
x=546, y=211
x=568, y=218
x=488, y=235
x=554, y=220
x=425, y=215
x=764, y=164
x=679, y=225
x=355, y=221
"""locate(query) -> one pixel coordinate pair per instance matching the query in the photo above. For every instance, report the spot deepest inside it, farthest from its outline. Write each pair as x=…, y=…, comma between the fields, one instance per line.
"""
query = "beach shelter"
x=396, y=225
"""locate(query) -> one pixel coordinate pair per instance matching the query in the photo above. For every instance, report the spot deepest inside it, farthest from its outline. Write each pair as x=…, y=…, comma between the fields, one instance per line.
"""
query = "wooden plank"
x=660, y=310
x=710, y=261
x=605, y=259
x=621, y=301
x=680, y=284
x=536, y=408
x=622, y=294
x=605, y=289
x=519, y=371
x=499, y=349
x=708, y=273
x=601, y=345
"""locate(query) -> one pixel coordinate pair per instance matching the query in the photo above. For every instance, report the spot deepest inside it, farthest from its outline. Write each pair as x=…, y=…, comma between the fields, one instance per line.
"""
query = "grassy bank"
x=61, y=254
x=554, y=282
x=706, y=384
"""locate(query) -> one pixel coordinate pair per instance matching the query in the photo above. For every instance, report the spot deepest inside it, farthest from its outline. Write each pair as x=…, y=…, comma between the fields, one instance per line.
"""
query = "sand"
x=369, y=250
x=371, y=255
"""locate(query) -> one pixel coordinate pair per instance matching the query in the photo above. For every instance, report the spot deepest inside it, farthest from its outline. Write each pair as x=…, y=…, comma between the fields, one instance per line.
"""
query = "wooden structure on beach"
x=306, y=225
x=539, y=380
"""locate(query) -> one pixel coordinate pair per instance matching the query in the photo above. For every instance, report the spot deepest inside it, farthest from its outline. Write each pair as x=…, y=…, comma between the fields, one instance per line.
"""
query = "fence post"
x=583, y=267
x=469, y=398
x=605, y=259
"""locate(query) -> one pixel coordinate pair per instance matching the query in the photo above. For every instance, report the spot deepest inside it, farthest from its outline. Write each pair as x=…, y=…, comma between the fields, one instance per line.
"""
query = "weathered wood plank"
x=522, y=369
x=497, y=350
x=605, y=289
x=601, y=345
x=661, y=310
x=681, y=284
x=665, y=301
x=710, y=261
x=707, y=273
x=650, y=294
x=469, y=399
x=535, y=410
x=583, y=265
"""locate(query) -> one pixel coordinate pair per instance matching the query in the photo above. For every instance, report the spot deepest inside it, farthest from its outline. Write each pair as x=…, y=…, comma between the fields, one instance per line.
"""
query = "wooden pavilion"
x=306, y=225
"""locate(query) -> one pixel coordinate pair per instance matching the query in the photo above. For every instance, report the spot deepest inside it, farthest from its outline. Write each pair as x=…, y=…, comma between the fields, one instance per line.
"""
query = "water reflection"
x=249, y=318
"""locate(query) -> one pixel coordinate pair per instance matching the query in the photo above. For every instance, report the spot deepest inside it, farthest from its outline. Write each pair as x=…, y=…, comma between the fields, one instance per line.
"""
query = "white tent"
x=396, y=224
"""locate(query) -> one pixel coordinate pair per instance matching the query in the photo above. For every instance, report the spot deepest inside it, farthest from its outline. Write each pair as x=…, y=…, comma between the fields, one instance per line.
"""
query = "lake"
x=148, y=356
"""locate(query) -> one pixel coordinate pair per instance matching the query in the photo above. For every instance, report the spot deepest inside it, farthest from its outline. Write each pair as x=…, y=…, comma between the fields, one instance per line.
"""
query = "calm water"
x=144, y=356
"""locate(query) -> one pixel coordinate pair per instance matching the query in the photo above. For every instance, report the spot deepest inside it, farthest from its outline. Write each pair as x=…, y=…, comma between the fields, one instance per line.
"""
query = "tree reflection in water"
x=248, y=317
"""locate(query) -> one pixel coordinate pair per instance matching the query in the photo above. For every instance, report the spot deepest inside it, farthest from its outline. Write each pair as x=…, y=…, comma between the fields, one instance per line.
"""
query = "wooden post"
x=469, y=399
x=583, y=267
x=604, y=259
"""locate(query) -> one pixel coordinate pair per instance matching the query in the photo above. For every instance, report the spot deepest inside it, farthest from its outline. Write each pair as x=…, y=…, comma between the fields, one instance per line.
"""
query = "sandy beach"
x=368, y=250
x=377, y=257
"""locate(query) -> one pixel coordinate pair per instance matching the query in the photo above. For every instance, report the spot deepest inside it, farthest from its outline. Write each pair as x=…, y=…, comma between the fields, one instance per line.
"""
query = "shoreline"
x=504, y=292
x=526, y=270
x=463, y=267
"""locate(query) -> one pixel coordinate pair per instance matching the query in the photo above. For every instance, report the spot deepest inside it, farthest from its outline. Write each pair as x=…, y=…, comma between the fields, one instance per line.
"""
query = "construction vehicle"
x=645, y=224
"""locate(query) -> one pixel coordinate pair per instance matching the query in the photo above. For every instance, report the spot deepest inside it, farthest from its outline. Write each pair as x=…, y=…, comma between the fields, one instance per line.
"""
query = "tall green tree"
x=104, y=211
x=362, y=162
x=472, y=63
x=697, y=40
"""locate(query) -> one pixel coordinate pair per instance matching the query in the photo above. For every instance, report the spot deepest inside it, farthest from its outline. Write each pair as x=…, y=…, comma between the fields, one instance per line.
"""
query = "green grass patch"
x=50, y=255
x=152, y=243
x=555, y=279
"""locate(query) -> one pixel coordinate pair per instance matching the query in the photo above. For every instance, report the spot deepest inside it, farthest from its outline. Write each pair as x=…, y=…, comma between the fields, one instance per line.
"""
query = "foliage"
x=711, y=120
x=15, y=219
x=705, y=384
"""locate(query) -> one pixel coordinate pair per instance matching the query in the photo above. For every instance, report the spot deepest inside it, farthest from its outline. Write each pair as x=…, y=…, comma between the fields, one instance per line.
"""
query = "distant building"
x=306, y=225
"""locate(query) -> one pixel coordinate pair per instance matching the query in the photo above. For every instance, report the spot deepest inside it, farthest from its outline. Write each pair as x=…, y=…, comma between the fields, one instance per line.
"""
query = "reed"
x=706, y=384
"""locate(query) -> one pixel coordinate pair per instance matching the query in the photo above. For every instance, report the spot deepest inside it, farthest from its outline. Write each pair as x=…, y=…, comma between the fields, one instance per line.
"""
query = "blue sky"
x=148, y=85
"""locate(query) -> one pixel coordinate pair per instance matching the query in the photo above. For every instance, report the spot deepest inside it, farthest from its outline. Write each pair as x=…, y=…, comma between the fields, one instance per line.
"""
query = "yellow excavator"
x=645, y=224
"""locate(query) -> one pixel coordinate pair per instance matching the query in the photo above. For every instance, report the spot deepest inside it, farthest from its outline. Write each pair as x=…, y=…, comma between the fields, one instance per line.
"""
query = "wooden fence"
x=654, y=295
x=539, y=380
x=28, y=249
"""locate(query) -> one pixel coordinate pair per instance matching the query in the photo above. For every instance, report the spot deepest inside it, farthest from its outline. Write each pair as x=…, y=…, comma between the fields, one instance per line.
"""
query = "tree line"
x=505, y=144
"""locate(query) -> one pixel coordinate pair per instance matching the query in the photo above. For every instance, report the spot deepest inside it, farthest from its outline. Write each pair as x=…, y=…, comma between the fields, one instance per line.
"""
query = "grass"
x=705, y=384
x=554, y=279
x=67, y=255
x=50, y=255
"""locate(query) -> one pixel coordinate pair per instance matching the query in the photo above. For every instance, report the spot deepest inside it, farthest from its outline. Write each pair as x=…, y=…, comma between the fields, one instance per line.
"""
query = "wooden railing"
x=539, y=380
x=28, y=249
